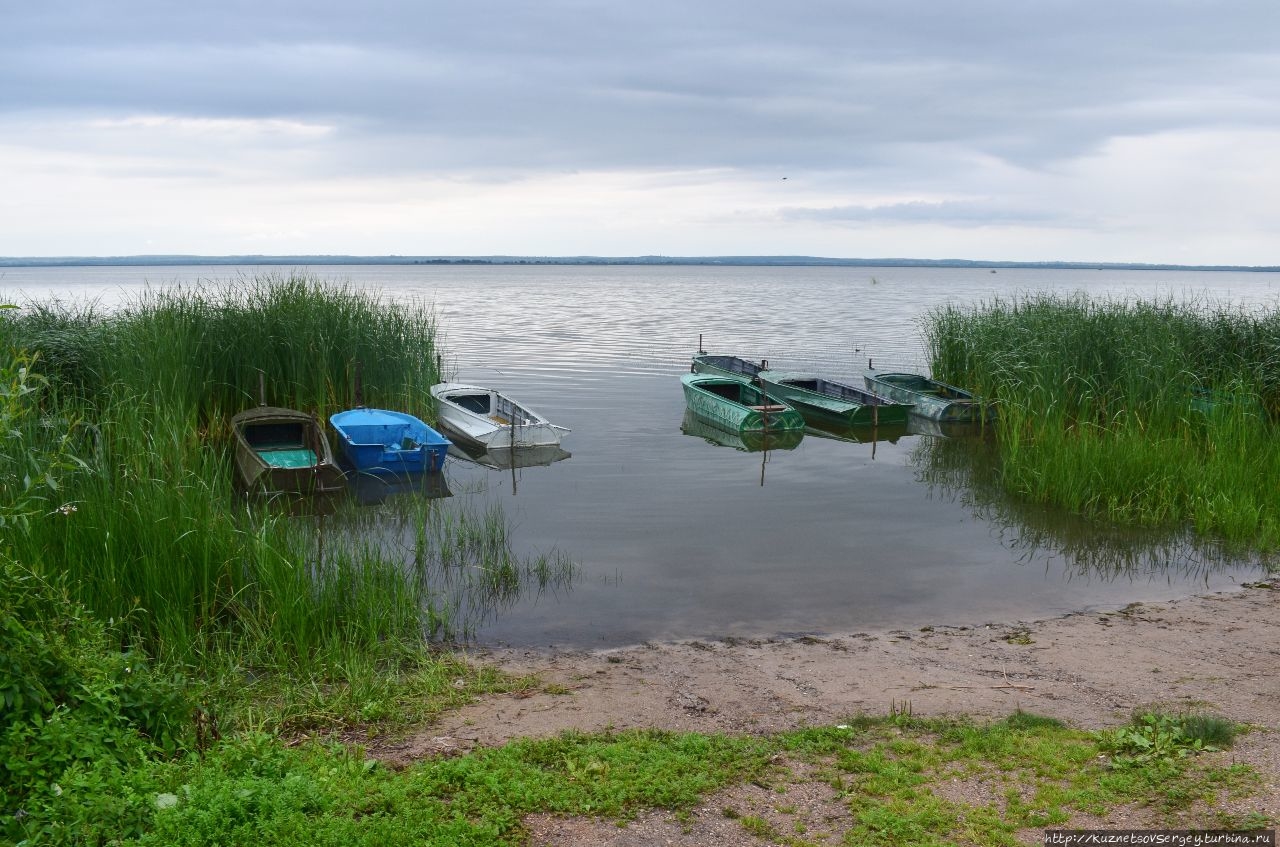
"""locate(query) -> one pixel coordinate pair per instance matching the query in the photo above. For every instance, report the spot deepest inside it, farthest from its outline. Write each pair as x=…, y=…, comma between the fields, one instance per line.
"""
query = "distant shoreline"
x=728, y=261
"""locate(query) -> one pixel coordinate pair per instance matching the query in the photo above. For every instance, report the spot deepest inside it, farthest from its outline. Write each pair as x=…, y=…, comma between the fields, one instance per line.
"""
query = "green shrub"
x=71, y=705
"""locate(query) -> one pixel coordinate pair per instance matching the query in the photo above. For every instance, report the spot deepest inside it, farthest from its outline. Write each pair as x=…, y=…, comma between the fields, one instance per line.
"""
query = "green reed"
x=139, y=510
x=1148, y=413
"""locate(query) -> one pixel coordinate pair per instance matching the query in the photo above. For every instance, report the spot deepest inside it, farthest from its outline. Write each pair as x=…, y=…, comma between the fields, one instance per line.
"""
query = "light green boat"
x=929, y=398
x=832, y=402
x=736, y=406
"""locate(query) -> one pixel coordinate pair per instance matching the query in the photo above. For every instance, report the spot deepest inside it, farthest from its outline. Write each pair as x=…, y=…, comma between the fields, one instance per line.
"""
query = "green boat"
x=747, y=442
x=734, y=366
x=929, y=398
x=736, y=406
x=832, y=402
x=284, y=451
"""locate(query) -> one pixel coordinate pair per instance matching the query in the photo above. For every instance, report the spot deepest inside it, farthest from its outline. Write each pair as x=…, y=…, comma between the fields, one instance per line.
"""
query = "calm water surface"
x=680, y=537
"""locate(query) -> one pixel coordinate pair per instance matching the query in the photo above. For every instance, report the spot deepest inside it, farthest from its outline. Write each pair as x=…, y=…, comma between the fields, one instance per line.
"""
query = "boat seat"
x=768, y=408
x=285, y=458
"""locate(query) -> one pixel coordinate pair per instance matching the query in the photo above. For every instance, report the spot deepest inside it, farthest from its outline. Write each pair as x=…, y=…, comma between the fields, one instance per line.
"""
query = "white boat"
x=490, y=419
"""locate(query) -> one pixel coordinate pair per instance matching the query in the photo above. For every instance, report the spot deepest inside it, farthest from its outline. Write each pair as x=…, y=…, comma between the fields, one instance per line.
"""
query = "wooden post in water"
x=764, y=403
x=764, y=452
x=875, y=419
x=262, y=387
x=512, y=425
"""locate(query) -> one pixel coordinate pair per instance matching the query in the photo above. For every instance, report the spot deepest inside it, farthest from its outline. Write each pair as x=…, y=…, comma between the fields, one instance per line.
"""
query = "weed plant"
x=1148, y=414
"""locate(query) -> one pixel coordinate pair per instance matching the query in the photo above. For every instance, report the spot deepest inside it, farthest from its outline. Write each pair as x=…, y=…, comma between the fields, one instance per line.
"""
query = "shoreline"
x=1216, y=652
x=1212, y=653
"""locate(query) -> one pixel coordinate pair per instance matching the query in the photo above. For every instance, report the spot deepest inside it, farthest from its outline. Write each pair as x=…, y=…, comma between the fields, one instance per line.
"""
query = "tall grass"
x=146, y=526
x=1148, y=413
x=201, y=349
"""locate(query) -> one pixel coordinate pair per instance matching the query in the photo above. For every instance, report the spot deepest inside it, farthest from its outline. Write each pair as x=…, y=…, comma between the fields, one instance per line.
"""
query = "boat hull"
x=829, y=401
x=490, y=420
x=736, y=406
x=382, y=441
x=929, y=398
x=284, y=451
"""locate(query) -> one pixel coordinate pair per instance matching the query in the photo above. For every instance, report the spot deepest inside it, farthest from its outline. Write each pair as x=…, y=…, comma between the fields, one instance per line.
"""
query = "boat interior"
x=495, y=407
x=836, y=389
x=946, y=392
x=506, y=412
x=914, y=382
x=742, y=394
x=477, y=402
x=282, y=444
x=392, y=436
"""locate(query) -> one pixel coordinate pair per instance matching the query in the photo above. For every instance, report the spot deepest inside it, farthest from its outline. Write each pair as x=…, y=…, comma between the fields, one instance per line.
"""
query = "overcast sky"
x=974, y=129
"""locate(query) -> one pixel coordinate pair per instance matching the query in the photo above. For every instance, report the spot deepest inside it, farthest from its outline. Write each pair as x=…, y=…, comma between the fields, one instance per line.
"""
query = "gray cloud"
x=825, y=85
x=1079, y=125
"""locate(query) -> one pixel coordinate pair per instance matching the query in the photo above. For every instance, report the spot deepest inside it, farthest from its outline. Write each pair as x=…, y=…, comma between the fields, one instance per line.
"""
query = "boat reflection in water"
x=761, y=442
x=507, y=458
x=369, y=489
x=859, y=434
x=750, y=441
x=917, y=425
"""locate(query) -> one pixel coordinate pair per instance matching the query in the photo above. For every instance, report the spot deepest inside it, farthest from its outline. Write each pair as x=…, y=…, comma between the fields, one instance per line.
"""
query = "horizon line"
x=153, y=259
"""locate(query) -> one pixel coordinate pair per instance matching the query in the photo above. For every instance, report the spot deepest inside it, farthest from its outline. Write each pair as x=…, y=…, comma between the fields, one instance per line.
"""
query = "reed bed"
x=1156, y=414
x=119, y=476
x=202, y=349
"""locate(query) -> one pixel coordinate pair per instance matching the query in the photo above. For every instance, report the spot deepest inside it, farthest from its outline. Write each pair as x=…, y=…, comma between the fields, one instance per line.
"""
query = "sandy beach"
x=1219, y=653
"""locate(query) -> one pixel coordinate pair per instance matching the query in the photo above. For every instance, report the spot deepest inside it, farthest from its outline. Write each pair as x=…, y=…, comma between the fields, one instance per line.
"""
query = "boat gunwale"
x=751, y=369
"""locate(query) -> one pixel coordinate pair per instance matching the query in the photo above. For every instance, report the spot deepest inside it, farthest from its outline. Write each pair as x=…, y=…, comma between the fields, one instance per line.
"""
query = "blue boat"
x=379, y=441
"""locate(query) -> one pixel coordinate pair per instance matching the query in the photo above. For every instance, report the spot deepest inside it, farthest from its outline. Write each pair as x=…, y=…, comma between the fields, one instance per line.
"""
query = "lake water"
x=679, y=537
